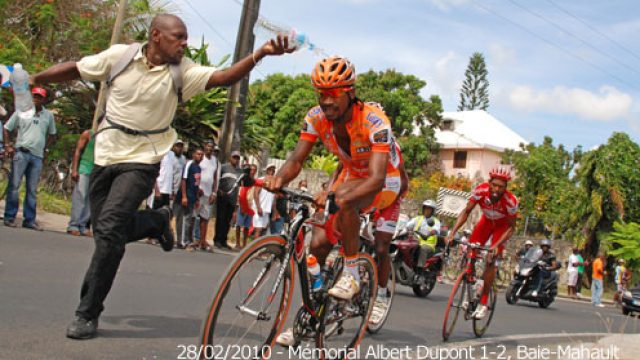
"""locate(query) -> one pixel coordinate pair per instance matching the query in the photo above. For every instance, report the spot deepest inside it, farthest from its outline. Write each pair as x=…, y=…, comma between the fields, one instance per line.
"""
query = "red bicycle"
x=465, y=295
x=254, y=296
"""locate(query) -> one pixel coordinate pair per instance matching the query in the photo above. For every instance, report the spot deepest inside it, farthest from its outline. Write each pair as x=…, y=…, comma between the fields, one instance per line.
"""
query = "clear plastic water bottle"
x=22, y=92
x=267, y=29
x=314, y=270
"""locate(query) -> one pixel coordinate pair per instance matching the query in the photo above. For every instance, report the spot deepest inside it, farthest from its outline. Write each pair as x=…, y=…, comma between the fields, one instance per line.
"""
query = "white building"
x=472, y=142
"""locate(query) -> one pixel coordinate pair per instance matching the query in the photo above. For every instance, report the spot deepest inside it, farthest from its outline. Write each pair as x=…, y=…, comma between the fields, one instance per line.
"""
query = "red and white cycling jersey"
x=506, y=207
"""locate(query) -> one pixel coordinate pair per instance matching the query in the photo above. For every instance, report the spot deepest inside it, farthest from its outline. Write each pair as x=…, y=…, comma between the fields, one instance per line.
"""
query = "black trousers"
x=116, y=192
x=224, y=213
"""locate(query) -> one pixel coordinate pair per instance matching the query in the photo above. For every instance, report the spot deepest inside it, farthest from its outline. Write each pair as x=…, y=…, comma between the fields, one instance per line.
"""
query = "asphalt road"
x=159, y=299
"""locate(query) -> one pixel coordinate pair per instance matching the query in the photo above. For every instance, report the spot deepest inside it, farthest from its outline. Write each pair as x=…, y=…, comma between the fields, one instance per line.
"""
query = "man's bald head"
x=167, y=38
x=165, y=22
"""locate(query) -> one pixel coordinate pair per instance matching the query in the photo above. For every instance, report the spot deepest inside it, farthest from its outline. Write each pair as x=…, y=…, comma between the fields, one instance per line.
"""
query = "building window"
x=460, y=160
x=447, y=125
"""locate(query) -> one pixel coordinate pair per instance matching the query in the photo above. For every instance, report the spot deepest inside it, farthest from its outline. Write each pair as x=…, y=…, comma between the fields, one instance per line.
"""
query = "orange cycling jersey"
x=369, y=131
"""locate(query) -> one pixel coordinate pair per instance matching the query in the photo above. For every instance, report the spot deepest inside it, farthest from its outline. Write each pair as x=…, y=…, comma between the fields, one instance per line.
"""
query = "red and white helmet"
x=500, y=172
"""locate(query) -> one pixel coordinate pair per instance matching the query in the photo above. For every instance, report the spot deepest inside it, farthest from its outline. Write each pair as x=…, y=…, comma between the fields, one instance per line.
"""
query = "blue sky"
x=568, y=69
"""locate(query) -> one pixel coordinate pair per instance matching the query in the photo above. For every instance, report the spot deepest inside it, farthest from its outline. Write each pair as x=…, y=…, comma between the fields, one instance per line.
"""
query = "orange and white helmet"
x=501, y=173
x=332, y=72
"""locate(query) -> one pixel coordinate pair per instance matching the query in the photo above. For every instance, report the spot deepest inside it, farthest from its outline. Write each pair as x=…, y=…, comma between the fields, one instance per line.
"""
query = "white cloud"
x=607, y=104
x=446, y=5
x=446, y=78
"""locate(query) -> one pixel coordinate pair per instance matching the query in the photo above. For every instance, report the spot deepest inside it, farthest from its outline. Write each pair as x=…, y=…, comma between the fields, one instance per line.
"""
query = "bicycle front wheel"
x=252, y=301
x=373, y=328
x=481, y=326
x=345, y=322
x=454, y=305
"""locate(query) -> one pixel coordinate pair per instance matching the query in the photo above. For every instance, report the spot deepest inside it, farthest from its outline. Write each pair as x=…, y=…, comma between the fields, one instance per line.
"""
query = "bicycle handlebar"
x=472, y=245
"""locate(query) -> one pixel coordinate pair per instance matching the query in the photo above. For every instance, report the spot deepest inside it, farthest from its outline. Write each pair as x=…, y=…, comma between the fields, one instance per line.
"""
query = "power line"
x=580, y=58
x=583, y=42
x=594, y=29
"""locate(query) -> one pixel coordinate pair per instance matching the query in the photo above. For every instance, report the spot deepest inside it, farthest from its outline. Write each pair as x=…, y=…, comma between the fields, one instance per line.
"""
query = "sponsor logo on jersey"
x=381, y=137
x=374, y=120
x=361, y=150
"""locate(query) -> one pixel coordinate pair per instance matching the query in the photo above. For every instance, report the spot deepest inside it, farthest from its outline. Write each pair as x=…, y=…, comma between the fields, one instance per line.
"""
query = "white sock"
x=382, y=292
x=351, y=265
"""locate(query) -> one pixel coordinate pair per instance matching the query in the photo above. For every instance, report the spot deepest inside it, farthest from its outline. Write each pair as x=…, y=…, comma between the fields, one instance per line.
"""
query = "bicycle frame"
x=295, y=247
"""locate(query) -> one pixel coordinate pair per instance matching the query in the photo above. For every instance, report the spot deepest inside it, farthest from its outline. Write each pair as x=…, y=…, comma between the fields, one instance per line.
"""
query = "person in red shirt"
x=499, y=209
x=245, y=212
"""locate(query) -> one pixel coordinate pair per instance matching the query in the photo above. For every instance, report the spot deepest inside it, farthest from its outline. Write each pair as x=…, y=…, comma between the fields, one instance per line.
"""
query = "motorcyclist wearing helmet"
x=498, y=221
x=360, y=135
x=548, y=269
x=522, y=252
x=426, y=234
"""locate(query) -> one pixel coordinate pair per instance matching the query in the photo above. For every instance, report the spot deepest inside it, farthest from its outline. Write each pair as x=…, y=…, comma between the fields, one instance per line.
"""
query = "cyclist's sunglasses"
x=333, y=92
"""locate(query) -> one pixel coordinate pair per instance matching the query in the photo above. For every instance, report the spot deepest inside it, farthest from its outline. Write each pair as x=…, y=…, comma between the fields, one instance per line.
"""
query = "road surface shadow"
x=149, y=327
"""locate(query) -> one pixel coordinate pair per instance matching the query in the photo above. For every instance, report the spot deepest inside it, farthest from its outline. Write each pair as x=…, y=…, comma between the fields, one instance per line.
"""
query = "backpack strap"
x=176, y=76
x=123, y=62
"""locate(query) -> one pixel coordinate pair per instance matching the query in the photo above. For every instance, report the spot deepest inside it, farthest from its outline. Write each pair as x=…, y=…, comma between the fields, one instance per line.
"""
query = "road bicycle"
x=465, y=296
x=254, y=296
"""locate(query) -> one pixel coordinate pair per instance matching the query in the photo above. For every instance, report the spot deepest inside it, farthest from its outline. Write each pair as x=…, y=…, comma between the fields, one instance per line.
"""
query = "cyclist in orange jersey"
x=360, y=135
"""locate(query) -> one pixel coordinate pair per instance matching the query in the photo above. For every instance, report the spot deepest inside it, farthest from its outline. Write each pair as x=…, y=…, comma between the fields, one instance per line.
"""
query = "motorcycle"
x=524, y=279
x=404, y=251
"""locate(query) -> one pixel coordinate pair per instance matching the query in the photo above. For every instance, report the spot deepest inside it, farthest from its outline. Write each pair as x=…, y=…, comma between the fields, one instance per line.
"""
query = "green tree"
x=542, y=182
x=624, y=242
x=326, y=163
x=474, y=94
x=609, y=178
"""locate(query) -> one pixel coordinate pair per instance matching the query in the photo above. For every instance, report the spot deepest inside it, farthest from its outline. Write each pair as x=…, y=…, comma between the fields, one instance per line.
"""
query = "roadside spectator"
x=244, y=217
x=264, y=205
x=302, y=185
x=163, y=189
x=80, y=173
x=226, y=200
x=279, y=216
x=208, y=188
x=28, y=154
x=583, y=263
x=179, y=162
x=187, y=197
x=620, y=270
x=597, y=278
x=572, y=273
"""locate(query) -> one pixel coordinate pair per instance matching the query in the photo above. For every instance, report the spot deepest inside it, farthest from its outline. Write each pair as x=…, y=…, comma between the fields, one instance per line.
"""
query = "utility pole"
x=115, y=38
x=235, y=107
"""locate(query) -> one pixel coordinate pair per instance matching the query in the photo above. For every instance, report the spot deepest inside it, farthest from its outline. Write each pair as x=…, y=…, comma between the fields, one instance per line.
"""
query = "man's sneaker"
x=166, y=238
x=600, y=305
x=33, y=226
x=11, y=223
x=81, y=328
x=480, y=312
x=380, y=308
x=534, y=293
x=286, y=338
x=346, y=287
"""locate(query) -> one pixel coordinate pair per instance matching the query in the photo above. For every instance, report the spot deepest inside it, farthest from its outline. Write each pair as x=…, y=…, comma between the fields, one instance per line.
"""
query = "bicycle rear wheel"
x=244, y=310
x=454, y=305
x=481, y=326
x=345, y=322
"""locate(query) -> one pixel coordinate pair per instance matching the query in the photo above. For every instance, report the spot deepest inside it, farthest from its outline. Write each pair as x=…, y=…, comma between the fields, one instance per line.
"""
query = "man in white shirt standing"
x=163, y=189
x=209, y=187
x=179, y=161
x=572, y=273
x=263, y=204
